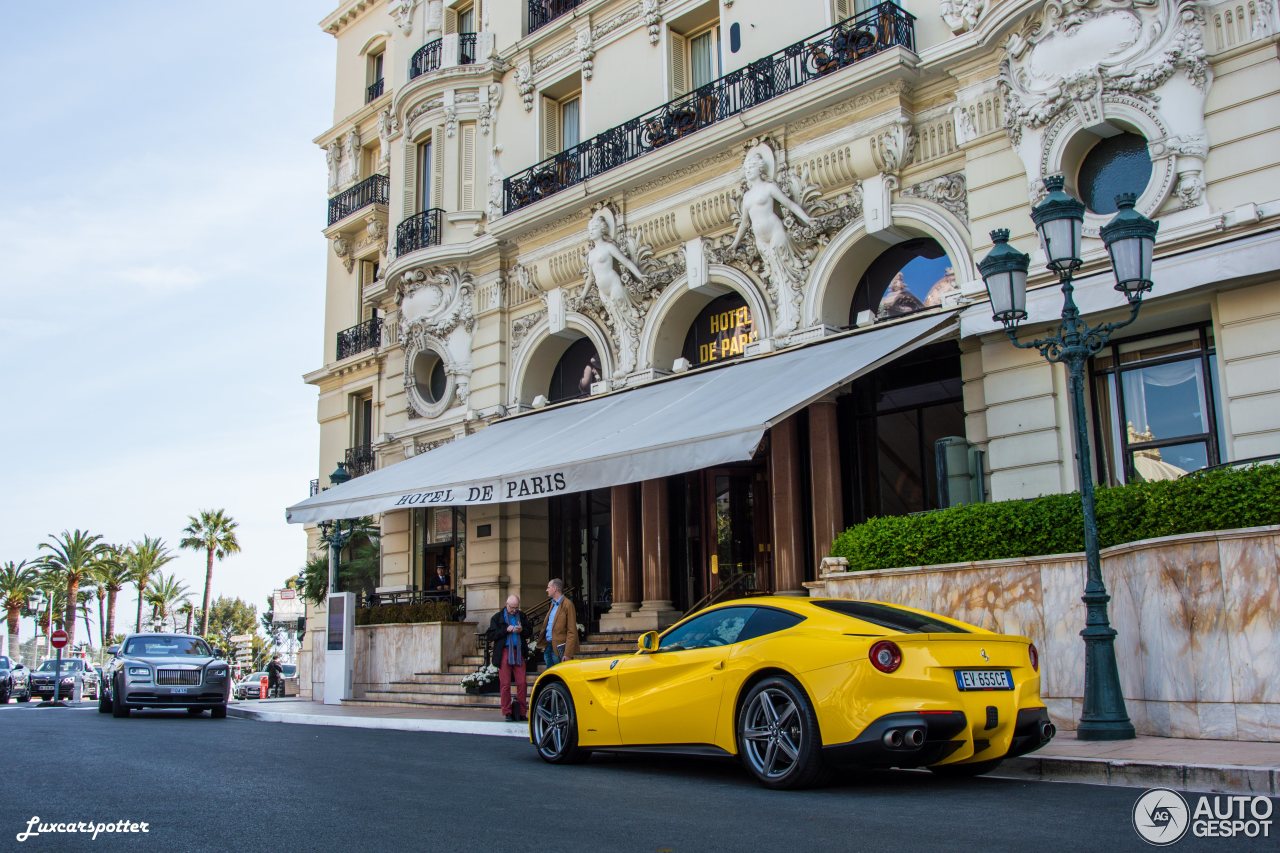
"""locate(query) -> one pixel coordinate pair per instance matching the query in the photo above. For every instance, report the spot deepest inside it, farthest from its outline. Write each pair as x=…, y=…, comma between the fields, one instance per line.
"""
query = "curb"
x=465, y=727
x=1128, y=773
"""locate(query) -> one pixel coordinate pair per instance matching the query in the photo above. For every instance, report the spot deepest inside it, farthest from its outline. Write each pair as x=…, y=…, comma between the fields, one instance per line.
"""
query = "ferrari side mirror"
x=648, y=641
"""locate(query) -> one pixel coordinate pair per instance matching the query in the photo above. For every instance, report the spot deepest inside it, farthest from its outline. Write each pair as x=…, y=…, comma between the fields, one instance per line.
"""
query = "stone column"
x=655, y=611
x=824, y=468
x=788, y=520
x=626, y=558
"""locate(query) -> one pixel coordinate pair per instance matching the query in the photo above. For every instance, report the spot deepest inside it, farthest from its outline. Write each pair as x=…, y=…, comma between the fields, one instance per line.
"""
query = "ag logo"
x=1161, y=817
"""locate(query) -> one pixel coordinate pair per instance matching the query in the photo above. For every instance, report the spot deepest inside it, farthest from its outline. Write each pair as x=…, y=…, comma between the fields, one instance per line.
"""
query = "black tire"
x=4, y=695
x=966, y=771
x=118, y=707
x=25, y=697
x=104, y=704
x=218, y=712
x=195, y=712
x=554, y=726
x=778, y=736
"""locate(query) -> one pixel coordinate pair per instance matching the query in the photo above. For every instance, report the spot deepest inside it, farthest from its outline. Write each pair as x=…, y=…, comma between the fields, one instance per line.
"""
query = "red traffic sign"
x=58, y=638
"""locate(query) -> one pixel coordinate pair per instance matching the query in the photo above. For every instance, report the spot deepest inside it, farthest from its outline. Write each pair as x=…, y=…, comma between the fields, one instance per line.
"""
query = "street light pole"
x=336, y=535
x=1130, y=238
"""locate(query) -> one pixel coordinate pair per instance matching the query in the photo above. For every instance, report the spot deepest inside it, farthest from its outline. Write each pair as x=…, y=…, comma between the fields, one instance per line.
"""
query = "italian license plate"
x=178, y=690
x=984, y=679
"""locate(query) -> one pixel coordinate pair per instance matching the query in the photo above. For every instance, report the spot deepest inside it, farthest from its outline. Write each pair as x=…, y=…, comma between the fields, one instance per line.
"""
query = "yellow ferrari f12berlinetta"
x=796, y=686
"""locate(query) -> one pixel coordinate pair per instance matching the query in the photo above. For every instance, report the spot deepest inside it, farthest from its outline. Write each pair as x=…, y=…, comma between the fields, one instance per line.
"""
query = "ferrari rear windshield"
x=891, y=617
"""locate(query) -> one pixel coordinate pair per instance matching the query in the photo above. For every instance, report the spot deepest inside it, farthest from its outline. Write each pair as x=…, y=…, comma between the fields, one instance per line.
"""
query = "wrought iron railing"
x=466, y=48
x=418, y=231
x=543, y=12
x=359, y=459
x=374, y=90
x=427, y=58
x=732, y=586
x=360, y=337
x=868, y=33
x=372, y=190
x=315, y=487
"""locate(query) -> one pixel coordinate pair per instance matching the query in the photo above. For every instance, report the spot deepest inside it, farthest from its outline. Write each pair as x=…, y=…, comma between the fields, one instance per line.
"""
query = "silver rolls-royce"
x=165, y=671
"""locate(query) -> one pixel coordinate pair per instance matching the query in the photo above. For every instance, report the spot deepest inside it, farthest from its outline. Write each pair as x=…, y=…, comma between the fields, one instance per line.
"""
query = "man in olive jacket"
x=509, y=630
x=561, y=636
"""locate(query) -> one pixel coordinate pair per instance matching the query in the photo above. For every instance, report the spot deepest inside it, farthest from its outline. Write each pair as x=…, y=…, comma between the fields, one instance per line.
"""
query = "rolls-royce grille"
x=178, y=676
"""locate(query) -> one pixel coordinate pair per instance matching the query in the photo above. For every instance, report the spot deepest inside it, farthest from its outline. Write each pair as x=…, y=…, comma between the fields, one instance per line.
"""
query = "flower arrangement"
x=480, y=677
x=532, y=645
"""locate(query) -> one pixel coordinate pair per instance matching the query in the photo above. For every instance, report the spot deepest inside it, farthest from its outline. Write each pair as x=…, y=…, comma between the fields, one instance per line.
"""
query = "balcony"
x=852, y=40
x=372, y=190
x=375, y=90
x=359, y=338
x=543, y=12
x=418, y=231
x=359, y=460
x=431, y=56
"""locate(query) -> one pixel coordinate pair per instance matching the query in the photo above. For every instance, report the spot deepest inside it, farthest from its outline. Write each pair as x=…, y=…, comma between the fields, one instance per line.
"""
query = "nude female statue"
x=601, y=258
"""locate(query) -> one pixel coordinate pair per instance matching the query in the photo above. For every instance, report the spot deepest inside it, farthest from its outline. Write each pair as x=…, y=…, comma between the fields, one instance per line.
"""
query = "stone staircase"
x=442, y=690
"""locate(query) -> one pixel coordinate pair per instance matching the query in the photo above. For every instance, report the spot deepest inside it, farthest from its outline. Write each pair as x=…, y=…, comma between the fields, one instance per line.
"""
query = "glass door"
x=738, y=526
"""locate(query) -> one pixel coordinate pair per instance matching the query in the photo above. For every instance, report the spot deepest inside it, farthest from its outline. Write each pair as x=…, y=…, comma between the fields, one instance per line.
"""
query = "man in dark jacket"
x=275, y=677
x=509, y=629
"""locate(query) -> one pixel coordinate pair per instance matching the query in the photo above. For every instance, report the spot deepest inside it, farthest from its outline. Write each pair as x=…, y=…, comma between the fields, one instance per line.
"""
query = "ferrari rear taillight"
x=1035, y=657
x=886, y=656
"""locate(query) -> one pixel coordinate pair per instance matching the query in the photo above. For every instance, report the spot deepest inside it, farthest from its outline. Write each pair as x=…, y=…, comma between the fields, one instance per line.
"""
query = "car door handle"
x=719, y=665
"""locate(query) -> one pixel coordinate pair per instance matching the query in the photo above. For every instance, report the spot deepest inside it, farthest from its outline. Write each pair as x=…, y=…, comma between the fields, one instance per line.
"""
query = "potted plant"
x=483, y=680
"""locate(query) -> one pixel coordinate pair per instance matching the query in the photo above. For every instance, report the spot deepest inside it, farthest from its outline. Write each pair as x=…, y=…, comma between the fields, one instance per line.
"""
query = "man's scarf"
x=515, y=648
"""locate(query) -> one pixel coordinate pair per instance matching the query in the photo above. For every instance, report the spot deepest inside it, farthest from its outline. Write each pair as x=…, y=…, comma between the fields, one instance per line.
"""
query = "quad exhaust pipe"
x=909, y=738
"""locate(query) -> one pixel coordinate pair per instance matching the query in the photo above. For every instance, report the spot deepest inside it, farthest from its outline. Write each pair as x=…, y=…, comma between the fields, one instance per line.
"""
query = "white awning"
x=667, y=427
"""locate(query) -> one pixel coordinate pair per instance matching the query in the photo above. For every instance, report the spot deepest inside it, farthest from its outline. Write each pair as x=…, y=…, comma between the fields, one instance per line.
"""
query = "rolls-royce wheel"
x=555, y=726
x=965, y=771
x=118, y=706
x=4, y=694
x=778, y=735
x=195, y=712
x=218, y=712
x=104, y=704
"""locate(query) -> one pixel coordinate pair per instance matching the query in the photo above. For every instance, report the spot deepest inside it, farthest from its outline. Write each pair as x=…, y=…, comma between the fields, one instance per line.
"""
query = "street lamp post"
x=1130, y=239
x=334, y=533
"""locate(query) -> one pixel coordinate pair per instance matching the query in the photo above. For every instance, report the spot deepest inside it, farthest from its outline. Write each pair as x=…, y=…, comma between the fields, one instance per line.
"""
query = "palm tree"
x=74, y=558
x=214, y=532
x=19, y=583
x=83, y=597
x=165, y=594
x=188, y=611
x=113, y=574
x=52, y=612
x=145, y=558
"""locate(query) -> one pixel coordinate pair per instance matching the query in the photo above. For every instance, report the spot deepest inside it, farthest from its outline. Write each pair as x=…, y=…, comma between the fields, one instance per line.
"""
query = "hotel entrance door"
x=739, y=544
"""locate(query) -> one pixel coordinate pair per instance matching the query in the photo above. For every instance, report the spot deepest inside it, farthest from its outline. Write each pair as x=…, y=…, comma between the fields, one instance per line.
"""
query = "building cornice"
x=346, y=13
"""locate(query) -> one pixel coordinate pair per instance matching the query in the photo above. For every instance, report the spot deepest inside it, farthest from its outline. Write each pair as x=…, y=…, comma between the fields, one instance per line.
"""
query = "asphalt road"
x=223, y=785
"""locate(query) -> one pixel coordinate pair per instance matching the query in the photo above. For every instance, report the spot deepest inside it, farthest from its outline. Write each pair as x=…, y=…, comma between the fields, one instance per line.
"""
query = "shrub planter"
x=487, y=687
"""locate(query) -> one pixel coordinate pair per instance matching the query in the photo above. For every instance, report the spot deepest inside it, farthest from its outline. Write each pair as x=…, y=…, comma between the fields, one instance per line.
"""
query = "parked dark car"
x=43, y=677
x=14, y=681
x=165, y=671
x=248, y=687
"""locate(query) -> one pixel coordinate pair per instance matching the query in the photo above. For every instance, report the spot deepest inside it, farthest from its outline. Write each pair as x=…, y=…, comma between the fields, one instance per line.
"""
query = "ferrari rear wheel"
x=555, y=726
x=778, y=735
x=964, y=771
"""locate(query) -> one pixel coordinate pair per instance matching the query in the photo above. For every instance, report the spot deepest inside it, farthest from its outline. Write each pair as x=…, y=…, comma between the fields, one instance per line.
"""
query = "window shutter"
x=437, y=172
x=450, y=21
x=410, y=180
x=550, y=127
x=844, y=8
x=468, y=194
x=679, y=65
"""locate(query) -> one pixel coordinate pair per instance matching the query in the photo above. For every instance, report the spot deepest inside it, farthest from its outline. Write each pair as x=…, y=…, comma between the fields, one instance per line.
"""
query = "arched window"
x=720, y=332
x=429, y=376
x=1114, y=165
x=574, y=374
x=908, y=277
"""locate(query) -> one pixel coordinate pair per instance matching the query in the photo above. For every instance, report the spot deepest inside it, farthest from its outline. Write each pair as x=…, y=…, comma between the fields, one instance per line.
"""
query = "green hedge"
x=385, y=614
x=1222, y=499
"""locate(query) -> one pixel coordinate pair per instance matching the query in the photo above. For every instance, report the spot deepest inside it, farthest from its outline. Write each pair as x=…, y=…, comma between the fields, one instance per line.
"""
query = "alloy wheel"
x=772, y=733
x=551, y=723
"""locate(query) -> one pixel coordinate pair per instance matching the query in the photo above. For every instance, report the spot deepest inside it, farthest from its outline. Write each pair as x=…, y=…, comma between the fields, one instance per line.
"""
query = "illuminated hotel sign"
x=722, y=331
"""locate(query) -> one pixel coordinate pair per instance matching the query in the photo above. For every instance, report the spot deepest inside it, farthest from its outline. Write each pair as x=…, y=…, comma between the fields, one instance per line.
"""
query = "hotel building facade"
x=658, y=296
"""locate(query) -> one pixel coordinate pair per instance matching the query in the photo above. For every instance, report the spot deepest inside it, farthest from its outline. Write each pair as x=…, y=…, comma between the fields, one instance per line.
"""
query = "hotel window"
x=460, y=19
x=373, y=76
x=561, y=123
x=428, y=166
x=1156, y=409
x=704, y=57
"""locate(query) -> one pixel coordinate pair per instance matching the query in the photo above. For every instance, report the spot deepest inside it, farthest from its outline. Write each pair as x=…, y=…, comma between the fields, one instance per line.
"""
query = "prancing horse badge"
x=612, y=665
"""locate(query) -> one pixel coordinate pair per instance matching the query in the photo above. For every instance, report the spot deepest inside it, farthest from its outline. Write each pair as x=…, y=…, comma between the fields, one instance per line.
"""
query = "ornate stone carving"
x=621, y=309
x=436, y=299
x=949, y=191
x=619, y=20
x=422, y=109
x=524, y=83
x=350, y=156
x=521, y=326
x=402, y=13
x=586, y=53
x=653, y=20
x=342, y=248
x=1069, y=65
x=526, y=287
x=549, y=59
x=892, y=147
x=386, y=129
x=450, y=121
x=494, y=203
x=376, y=229
x=961, y=15
x=333, y=159
x=488, y=106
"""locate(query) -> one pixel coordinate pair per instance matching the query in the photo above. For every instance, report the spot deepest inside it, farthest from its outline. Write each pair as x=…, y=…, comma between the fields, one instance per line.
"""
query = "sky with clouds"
x=162, y=275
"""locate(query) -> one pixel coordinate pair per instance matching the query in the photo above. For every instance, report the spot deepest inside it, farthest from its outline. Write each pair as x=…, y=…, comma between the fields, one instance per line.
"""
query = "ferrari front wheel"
x=555, y=726
x=778, y=735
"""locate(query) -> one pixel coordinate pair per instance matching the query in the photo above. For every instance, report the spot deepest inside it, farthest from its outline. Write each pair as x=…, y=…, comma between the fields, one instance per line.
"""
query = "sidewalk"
x=1207, y=766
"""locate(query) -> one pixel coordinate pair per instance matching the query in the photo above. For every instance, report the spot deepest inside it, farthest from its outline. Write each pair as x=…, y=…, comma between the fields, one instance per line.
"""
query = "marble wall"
x=386, y=653
x=1198, y=618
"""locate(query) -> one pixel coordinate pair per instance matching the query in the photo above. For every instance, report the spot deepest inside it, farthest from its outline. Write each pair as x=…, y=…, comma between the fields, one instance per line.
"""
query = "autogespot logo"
x=1161, y=817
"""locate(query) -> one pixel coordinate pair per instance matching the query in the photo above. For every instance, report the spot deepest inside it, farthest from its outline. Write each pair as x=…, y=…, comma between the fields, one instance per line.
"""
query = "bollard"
x=262, y=687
